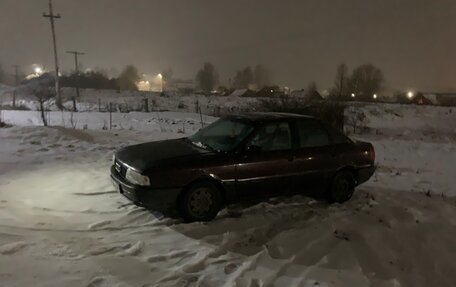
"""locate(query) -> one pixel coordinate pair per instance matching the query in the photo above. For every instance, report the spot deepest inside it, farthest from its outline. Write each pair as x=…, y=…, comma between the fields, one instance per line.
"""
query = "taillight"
x=371, y=154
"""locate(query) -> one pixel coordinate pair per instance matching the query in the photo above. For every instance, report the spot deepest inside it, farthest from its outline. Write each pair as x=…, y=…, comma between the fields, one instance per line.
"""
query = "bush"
x=357, y=120
x=330, y=112
x=3, y=124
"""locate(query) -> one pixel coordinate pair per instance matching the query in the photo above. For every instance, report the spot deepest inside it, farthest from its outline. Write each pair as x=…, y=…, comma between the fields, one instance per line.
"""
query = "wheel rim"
x=200, y=202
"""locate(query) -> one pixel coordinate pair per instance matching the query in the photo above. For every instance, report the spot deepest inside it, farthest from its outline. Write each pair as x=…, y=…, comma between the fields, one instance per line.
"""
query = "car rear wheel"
x=342, y=187
x=201, y=202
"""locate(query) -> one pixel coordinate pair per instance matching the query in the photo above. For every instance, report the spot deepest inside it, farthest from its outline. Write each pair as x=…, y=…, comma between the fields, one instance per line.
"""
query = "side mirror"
x=252, y=149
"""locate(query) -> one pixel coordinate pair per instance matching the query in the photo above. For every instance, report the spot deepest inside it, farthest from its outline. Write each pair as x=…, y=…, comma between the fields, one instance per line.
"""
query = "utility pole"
x=52, y=17
x=16, y=77
x=76, y=68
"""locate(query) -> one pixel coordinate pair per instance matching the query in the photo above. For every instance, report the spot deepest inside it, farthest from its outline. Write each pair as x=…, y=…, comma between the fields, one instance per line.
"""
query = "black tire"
x=201, y=202
x=342, y=187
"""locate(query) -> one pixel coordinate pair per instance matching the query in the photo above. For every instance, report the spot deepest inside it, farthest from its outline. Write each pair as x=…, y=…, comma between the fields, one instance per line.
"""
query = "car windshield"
x=222, y=135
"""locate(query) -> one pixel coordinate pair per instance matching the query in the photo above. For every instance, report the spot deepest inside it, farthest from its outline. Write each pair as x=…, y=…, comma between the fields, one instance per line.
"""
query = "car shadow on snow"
x=249, y=227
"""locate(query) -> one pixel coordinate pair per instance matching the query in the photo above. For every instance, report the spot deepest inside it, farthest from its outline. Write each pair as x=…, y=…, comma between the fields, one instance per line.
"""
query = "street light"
x=38, y=70
x=410, y=94
x=374, y=96
x=353, y=95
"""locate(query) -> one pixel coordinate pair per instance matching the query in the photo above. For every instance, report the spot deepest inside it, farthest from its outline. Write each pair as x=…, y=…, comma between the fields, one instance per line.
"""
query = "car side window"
x=273, y=137
x=312, y=135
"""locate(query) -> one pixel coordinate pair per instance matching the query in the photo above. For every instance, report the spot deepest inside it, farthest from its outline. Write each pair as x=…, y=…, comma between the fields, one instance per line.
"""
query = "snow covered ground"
x=95, y=100
x=62, y=224
x=177, y=122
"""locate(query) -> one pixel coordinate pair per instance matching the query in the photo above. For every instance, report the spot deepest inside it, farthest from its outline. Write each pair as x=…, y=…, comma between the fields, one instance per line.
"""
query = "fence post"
x=74, y=105
x=201, y=118
x=110, y=115
x=146, y=105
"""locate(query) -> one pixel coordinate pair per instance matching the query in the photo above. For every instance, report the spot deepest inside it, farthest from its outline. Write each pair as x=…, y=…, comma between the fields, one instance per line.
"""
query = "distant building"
x=420, y=99
x=302, y=94
x=270, y=92
x=432, y=98
x=179, y=85
x=242, y=93
x=298, y=93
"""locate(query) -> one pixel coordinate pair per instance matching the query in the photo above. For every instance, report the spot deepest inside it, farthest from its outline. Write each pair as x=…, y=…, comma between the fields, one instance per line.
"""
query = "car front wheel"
x=342, y=187
x=201, y=202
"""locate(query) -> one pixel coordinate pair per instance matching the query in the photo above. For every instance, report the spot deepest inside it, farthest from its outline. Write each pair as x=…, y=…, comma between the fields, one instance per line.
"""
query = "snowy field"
x=62, y=224
x=95, y=100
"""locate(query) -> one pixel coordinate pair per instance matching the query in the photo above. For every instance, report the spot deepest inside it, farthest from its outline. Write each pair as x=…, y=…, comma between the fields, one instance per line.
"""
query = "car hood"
x=152, y=154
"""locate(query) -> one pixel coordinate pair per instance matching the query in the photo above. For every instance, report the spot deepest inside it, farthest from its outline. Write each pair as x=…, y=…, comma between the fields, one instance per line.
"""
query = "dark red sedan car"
x=242, y=157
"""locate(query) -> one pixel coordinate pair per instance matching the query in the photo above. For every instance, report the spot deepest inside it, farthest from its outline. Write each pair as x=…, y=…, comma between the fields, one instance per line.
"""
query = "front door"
x=267, y=167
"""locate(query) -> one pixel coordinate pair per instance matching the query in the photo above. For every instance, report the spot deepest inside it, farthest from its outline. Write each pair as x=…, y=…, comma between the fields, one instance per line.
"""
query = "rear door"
x=269, y=170
x=316, y=157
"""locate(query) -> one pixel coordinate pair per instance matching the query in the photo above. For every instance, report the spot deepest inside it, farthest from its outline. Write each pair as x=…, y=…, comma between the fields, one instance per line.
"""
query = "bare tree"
x=356, y=119
x=207, y=78
x=261, y=76
x=341, y=84
x=243, y=79
x=128, y=78
x=43, y=94
x=167, y=77
x=366, y=80
x=312, y=92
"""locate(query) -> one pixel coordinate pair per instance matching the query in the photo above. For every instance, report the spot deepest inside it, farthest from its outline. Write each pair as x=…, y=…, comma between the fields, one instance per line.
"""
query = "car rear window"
x=312, y=134
x=336, y=136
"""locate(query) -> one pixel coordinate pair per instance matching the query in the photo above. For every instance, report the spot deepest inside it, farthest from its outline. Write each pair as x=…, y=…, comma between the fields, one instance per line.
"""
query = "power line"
x=52, y=18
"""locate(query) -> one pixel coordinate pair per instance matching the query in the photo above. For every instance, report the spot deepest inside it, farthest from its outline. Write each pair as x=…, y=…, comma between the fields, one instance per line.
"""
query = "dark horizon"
x=411, y=41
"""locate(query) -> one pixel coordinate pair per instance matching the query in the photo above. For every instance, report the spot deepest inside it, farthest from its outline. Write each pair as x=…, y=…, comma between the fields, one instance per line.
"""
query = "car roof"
x=264, y=116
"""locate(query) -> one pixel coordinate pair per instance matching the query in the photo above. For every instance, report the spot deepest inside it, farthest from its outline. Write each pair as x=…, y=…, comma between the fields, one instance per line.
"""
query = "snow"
x=12, y=247
x=174, y=122
x=94, y=100
x=395, y=119
x=62, y=223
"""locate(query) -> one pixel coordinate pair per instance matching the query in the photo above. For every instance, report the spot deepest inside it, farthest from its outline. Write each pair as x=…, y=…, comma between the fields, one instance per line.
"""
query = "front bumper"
x=162, y=200
x=365, y=173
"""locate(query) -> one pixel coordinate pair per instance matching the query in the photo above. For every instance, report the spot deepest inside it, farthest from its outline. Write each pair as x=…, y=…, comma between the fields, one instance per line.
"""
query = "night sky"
x=412, y=41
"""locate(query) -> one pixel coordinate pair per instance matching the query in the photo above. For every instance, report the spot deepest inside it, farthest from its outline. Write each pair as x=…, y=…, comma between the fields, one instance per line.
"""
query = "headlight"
x=136, y=178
